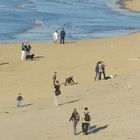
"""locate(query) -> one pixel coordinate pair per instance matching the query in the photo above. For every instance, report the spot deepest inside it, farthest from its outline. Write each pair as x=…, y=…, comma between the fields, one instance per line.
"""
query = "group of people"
x=75, y=118
x=56, y=84
x=25, y=51
x=62, y=36
x=100, y=70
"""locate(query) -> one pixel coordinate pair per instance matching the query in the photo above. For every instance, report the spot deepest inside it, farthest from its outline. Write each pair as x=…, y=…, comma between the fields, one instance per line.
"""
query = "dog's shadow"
x=38, y=57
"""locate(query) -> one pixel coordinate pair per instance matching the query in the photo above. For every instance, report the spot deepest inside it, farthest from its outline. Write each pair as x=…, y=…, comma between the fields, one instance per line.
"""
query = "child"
x=19, y=99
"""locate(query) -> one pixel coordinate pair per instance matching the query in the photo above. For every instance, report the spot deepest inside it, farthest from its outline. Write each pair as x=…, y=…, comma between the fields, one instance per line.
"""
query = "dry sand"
x=113, y=104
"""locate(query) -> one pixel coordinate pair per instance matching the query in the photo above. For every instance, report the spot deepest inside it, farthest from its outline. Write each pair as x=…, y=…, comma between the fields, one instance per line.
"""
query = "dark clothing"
x=100, y=75
x=103, y=71
x=23, y=47
x=85, y=127
x=62, y=36
x=19, y=98
x=69, y=80
x=54, y=79
x=97, y=72
x=28, y=48
x=57, y=89
x=74, y=117
x=86, y=122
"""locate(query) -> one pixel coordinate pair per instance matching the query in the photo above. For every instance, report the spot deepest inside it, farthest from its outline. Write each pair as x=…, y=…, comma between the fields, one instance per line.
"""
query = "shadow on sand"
x=70, y=42
x=26, y=105
x=38, y=57
x=69, y=102
x=4, y=63
x=69, y=84
x=95, y=129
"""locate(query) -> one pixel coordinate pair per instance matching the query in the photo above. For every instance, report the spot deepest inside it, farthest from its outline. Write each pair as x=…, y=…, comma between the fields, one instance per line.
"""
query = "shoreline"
x=127, y=4
x=123, y=4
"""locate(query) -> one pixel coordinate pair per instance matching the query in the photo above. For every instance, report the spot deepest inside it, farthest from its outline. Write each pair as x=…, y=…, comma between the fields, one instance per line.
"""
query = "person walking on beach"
x=62, y=36
x=19, y=99
x=85, y=121
x=57, y=92
x=55, y=37
x=75, y=117
x=23, y=51
x=54, y=77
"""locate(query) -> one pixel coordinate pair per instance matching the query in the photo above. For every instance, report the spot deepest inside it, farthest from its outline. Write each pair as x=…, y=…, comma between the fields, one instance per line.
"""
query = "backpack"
x=87, y=117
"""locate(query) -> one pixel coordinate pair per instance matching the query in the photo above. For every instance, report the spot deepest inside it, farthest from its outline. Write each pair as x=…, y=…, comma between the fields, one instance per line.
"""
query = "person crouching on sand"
x=57, y=92
x=69, y=81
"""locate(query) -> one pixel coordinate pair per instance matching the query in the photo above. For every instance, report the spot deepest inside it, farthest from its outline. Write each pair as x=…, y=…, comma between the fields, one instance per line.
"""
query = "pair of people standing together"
x=75, y=118
x=62, y=36
x=25, y=50
x=100, y=69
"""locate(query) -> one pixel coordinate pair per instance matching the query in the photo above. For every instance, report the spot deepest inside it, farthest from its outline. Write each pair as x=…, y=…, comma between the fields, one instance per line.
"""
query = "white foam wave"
x=112, y=4
x=38, y=22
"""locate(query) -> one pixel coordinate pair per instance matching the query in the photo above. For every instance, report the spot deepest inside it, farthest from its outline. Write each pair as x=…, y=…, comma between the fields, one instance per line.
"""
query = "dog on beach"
x=30, y=57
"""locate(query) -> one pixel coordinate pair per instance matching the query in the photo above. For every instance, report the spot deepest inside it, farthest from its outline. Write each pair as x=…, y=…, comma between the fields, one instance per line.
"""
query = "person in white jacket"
x=55, y=37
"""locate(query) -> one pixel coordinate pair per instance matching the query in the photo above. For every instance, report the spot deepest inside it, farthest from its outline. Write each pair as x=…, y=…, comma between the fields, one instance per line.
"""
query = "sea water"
x=36, y=20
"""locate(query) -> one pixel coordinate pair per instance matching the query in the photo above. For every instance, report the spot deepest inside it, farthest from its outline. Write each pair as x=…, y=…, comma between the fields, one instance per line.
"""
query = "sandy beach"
x=113, y=104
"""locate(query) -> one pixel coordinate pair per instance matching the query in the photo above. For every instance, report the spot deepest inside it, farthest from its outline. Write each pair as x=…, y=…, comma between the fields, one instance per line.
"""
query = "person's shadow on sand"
x=4, y=63
x=95, y=129
x=25, y=105
x=69, y=102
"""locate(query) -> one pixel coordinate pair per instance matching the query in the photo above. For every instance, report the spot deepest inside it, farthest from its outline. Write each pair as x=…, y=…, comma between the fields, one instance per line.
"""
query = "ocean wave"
x=28, y=5
x=114, y=6
x=38, y=22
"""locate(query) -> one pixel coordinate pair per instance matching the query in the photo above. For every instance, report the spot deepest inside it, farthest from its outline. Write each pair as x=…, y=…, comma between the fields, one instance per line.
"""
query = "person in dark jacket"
x=75, y=117
x=62, y=36
x=57, y=91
